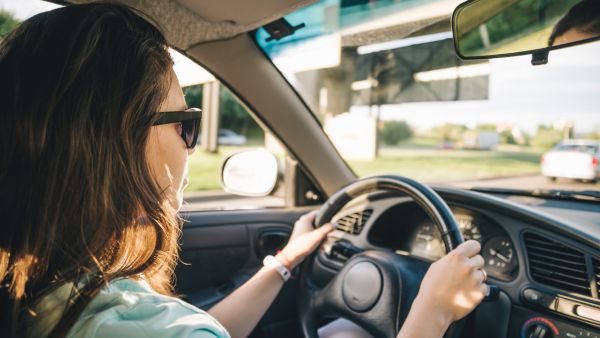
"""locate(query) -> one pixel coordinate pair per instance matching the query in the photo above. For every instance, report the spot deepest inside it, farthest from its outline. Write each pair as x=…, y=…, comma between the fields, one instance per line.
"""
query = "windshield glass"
x=383, y=79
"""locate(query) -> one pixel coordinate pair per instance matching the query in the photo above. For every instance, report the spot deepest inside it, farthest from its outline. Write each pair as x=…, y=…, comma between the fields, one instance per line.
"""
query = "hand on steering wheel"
x=304, y=239
x=452, y=287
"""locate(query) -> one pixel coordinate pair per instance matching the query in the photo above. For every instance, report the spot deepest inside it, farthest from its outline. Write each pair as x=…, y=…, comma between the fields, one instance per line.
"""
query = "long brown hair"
x=79, y=87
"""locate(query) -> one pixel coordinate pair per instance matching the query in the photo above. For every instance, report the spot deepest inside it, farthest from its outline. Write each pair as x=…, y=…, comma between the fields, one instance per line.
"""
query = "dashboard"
x=543, y=255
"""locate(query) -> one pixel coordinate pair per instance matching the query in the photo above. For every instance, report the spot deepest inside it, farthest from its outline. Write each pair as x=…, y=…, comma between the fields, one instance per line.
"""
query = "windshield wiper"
x=584, y=195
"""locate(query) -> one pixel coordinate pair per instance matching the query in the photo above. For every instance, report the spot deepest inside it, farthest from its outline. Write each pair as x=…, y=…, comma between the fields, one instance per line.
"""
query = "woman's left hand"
x=303, y=240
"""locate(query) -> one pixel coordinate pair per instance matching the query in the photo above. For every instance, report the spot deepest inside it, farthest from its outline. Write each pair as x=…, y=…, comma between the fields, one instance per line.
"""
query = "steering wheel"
x=374, y=289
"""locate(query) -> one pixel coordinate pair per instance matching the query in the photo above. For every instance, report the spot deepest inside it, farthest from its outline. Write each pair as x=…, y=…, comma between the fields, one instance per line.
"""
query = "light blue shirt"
x=127, y=308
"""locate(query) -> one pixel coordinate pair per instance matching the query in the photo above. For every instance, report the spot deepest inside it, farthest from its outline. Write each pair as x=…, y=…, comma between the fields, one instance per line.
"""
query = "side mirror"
x=250, y=173
x=485, y=29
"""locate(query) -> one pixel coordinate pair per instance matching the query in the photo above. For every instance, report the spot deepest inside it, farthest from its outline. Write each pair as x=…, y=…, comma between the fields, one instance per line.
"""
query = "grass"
x=420, y=142
x=415, y=159
x=449, y=165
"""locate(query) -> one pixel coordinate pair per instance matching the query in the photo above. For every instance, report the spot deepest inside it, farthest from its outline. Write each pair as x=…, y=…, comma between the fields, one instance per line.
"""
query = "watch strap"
x=271, y=261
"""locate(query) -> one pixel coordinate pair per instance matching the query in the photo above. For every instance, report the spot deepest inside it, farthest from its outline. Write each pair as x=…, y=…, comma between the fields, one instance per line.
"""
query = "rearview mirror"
x=486, y=29
x=250, y=173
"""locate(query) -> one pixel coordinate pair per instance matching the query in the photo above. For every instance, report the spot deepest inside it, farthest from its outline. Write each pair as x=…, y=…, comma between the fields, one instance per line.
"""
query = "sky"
x=22, y=9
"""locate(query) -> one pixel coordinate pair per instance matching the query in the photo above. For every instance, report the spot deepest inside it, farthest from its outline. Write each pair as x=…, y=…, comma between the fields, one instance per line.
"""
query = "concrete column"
x=210, y=117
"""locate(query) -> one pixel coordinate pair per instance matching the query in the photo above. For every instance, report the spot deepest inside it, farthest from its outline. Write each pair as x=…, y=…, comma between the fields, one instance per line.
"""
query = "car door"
x=220, y=250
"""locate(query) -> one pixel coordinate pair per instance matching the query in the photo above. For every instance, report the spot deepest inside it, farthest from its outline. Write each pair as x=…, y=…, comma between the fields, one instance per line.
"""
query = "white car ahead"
x=574, y=159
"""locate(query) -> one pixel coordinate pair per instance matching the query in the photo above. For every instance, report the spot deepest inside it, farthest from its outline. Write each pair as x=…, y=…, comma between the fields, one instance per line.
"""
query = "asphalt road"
x=530, y=182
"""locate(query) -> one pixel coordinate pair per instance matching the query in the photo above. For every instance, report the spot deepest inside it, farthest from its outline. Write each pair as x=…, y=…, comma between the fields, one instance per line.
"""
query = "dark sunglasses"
x=190, y=123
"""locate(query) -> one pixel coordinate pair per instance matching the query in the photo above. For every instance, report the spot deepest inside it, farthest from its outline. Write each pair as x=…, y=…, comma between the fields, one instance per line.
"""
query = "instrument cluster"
x=418, y=236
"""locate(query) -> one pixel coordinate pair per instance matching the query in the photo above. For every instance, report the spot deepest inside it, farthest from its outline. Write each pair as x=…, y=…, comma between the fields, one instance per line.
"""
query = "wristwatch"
x=271, y=261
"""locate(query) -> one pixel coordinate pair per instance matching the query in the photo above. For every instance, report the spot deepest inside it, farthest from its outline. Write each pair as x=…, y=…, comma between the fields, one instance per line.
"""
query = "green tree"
x=193, y=96
x=7, y=23
x=546, y=137
x=234, y=116
x=448, y=132
x=393, y=132
x=506, y=137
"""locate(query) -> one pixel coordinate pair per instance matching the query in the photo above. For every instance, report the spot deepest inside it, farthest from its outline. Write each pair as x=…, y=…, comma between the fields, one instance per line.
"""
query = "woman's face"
x=166, y=151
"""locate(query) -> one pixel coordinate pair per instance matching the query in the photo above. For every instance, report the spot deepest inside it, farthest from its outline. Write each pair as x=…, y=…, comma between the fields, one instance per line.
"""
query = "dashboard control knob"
x=539, y=331
x=539, y=327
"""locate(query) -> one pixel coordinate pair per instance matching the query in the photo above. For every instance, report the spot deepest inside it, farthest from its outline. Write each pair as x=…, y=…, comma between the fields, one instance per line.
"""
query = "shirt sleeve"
x=145, y=319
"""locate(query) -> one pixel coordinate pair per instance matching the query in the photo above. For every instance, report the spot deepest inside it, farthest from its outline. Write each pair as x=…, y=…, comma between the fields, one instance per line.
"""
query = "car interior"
x=542, y=251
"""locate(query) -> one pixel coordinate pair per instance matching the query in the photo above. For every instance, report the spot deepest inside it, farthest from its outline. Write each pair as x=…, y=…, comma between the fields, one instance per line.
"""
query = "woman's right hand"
x=455, y=285
x=452, y=287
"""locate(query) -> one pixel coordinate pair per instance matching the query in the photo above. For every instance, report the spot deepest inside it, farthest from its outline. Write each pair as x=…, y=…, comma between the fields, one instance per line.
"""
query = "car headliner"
x=189, y=22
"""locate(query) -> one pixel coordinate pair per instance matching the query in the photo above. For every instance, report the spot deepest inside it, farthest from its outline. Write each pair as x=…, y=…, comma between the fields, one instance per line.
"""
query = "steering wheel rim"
x=425, y=197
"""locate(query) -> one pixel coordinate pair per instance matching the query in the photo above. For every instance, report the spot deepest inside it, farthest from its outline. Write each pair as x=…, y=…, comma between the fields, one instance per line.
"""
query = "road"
x=529, y=182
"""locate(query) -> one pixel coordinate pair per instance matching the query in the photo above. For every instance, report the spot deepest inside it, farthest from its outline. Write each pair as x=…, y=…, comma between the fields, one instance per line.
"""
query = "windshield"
x=383, y=79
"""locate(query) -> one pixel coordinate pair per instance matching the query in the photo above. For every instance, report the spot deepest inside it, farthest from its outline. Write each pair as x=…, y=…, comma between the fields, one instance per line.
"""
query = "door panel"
x=222, y=249
x=219, y=236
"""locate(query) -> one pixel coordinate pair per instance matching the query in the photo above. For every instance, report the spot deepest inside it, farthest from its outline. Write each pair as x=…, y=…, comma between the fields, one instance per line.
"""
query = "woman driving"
x=95, y=137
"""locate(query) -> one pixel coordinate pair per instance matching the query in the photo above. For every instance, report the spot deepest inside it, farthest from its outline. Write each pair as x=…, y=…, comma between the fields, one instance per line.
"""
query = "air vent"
x=554, y=264
x=597, y=273
x=354, y=223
